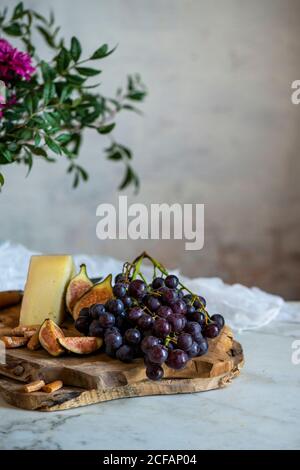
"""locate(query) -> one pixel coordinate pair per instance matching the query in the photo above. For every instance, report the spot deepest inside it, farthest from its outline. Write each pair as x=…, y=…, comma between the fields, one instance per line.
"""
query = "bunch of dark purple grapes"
x=159, y=322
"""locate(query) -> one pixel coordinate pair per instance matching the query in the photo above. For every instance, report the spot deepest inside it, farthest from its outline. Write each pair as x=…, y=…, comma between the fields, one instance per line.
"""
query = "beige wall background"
x=219, y=128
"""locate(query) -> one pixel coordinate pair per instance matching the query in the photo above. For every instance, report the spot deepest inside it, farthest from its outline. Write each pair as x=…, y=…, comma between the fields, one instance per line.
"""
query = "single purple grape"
x=198, y=317
x=199, y=302
x=194, y=329
x=134, y=314
x=95, y=329
x=132, y=336
x=145, y=322
x=114, y=306
x=154, y=372
x=113, y=340
x=137, y=289
x=211, y=330
x=171, y=281
x=203, y=347
x=161, y=327
x=164, y=311
x=119, y=290
x=219, y=320
x=96, y=310
x=82, y=325
x=177, y=323
x=120, y=278
x=127, y=301
x=184, y=341
x=168, y=296
x=112, y=329
x=148, y=342
x=158, y=282
x=153, y=303
x=194, y=349
x=106, y=320
x=125, y=353
x=179, y=307
x=158, y=354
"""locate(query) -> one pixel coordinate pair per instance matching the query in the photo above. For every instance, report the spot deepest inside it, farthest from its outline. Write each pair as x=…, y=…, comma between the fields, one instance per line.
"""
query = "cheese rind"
x=44, y=295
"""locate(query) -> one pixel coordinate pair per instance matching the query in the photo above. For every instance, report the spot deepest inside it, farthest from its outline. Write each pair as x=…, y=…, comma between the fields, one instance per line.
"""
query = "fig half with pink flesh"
x=77, y=287
x=81, y=344
x=48, y=336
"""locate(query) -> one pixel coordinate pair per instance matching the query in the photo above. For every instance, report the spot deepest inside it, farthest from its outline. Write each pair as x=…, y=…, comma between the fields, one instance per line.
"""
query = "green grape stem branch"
x=134, y=269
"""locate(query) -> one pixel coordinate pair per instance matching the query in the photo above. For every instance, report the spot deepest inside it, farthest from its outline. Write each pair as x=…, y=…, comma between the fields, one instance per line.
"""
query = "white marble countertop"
x=259, y=410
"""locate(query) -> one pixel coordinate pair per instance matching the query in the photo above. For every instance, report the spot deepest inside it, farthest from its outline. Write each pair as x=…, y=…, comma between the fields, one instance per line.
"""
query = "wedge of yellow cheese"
x=44, y=295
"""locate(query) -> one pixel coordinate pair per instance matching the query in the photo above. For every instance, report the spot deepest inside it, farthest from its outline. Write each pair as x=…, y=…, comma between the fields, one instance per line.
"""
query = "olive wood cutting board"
x=97, y=378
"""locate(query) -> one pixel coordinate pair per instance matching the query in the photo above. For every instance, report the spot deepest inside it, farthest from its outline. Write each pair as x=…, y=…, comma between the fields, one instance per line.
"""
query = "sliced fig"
x=81, y=344
x=34, y=342
x=48, y=336
x=77, y=287
x=98, y=294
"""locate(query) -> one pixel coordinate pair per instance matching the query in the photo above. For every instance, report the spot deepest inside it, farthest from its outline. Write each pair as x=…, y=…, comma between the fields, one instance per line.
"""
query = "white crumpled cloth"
x=243, y=308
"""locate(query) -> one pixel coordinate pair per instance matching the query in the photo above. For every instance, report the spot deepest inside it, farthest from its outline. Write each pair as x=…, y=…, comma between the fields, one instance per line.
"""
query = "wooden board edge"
x=69, y=398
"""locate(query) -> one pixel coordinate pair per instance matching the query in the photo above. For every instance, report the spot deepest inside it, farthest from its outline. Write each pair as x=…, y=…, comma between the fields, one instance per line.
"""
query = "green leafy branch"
x=52, y=110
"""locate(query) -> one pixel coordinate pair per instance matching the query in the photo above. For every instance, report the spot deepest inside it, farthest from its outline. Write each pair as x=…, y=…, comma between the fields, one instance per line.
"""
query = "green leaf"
x=76, y=180
x=7, y=156
x=28, y=103
x=37, y=139
x=51, y=119
x=13, y=29
x=47, y=72
x=106, y=129
x=40, y=17
x=87, y=71
x=52, y=145
x=40, y=122
x=75, y=49
x=126, y=150
x=25, y=134
x=129, y=107
x=47, y=36
x=66, y=93
x=84, y=175
x=35, y=102
x=12, y=147
x=1, y=179
x=102, y=52
x=75, y=80
x=115, y=156
x=129, y=178
x=63, y=60
x=37, y=150
x=51, y=18
x=18, y=11
x=49, y=91
x=136, y=95
x=28, y=160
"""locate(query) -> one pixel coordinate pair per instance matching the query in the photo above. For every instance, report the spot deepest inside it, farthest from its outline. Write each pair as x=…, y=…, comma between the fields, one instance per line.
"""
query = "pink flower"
x=14, y=63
